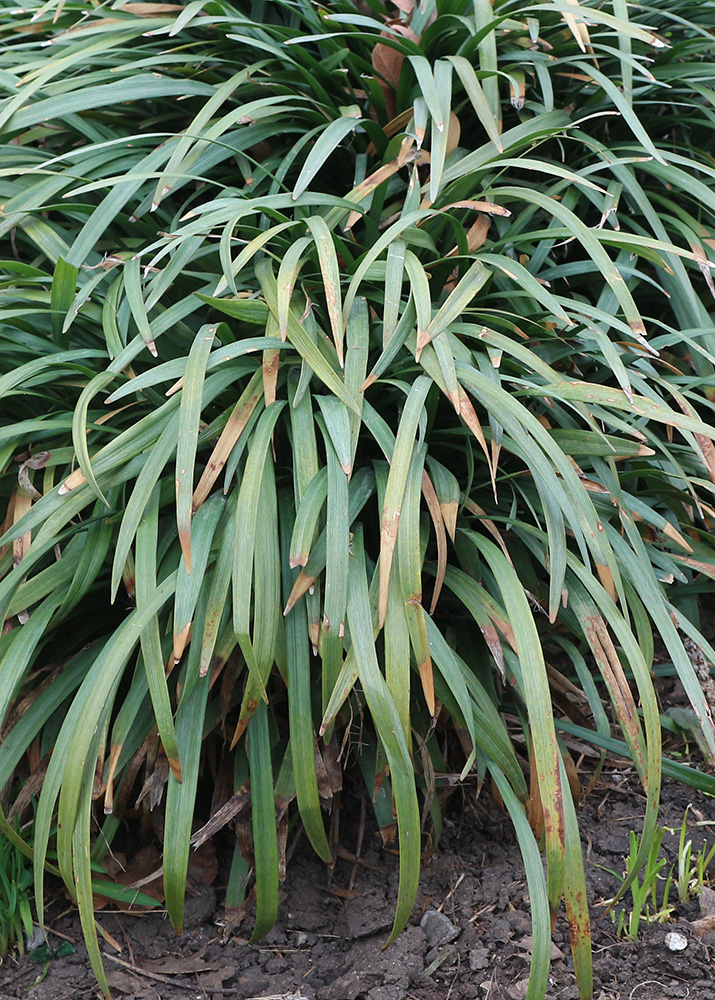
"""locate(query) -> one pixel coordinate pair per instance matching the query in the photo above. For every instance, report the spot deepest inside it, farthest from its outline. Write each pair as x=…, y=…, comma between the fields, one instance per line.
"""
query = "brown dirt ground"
x=327, y=944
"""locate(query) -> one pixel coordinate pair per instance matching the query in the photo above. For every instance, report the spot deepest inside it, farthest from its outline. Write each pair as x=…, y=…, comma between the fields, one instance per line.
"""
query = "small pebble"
x=675, y=941
x=37, y=940
x=438, y=929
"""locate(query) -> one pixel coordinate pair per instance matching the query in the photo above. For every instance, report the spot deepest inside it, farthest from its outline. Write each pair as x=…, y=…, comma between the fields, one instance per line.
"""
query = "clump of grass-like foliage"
x=15, y=911
x=356, y=374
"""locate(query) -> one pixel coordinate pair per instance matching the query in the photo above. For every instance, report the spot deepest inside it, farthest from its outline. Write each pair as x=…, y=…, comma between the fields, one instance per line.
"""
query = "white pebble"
x=675, y=941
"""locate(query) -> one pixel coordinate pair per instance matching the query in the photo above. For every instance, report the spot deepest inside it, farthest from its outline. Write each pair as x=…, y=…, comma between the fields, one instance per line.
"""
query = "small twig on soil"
x=651, y=982
x=451, y=892
x=65, y=937
x=294, y=843
x=126, y=941
x=488, y=908
x=175, y=981
x=281, y=996
x=140, y=883
x=111, y=941
x=491, y=985
x=346, y=855
x=70, y=909
x=297, y=930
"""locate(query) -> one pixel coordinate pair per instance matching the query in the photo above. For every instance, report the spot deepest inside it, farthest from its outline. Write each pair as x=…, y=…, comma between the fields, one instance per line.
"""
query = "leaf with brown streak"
x=8, y=522
x=609, y=664
x=606, y=577
x=704, y=443
x=400, y=463
x=72, y=482
x=242, y=724
x=430, y=495
x=454, y=133
x=478, y=206
x=152, y=9
x=675, y=536
x=301, y=586
x=707, y=569
x=488, y=614
x=388, y=540
x=491, y=527
x=271, y=364
x=372, y=182
x=639, y=332
x=449, y=515
x=578, y=29
x=491, y=637
x=114, y=752
x=417, y=626
x=705, y=266
x=535, y=809
x=22, y=504
x=235, y=426
x=427, y=679
x=572, y=775
x=181, y=641
x=405, y=154
x=392, y=128
x=22, y=501
x=469, y=416
x=476, y=235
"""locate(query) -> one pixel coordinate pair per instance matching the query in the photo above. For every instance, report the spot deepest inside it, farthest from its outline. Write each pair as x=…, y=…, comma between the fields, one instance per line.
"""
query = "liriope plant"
x=356, y=386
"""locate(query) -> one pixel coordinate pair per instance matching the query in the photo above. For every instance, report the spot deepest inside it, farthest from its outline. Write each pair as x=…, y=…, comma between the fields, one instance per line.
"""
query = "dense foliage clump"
x=356, y=393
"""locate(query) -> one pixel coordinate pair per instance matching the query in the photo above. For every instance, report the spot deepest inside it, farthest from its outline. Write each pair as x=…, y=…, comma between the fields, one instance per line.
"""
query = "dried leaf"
x=430, y=495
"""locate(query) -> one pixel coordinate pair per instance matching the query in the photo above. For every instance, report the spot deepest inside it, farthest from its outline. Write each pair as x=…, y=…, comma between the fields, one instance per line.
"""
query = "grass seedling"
x=692, y=869
x=645, y=903
x=644, y=890
x=700, y=867
x=684, y=860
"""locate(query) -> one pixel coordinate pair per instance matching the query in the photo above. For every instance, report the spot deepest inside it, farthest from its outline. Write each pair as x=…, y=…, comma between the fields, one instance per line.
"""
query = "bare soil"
x=469, y=937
